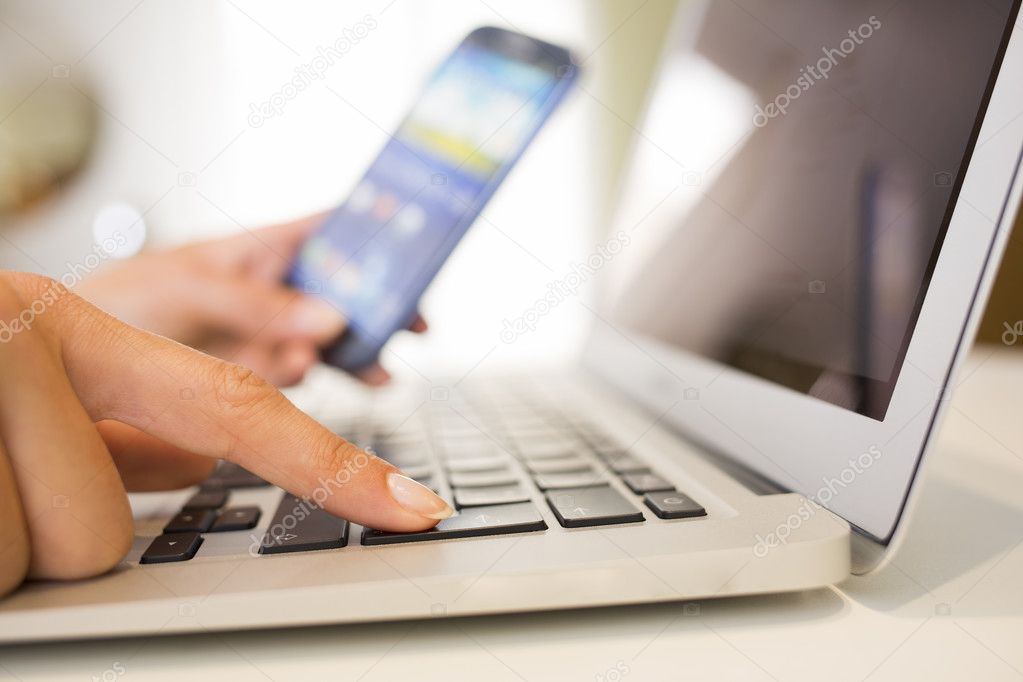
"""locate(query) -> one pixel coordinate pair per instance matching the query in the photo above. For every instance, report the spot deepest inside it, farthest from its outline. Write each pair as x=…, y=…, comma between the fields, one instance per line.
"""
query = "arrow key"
x=197, y=520
x=300, y=525
x=236, y=518
x=172, y=547
x=599, y=506
x=495, y=520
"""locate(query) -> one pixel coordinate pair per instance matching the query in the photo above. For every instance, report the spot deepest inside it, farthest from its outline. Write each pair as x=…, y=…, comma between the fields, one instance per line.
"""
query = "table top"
x=950, y=605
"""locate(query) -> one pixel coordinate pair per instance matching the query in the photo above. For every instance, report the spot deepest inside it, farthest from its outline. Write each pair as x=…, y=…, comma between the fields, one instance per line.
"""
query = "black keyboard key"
x=646, y=483
x=301, y=526
x=172, y=547
x=579, y=479
x=207, y=499
x=230, y=475
x=236, y=518
x=601, y=506
x=197, y=521
x=484, y=497
x=671, y=504
x=495, y=520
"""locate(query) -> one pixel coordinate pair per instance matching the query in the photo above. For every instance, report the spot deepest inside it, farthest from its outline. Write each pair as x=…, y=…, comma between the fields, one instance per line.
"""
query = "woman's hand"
x=90, y=406
x=226, y=297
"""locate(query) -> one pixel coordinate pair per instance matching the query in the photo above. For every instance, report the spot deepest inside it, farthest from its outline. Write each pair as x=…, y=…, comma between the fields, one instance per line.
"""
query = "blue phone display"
x=375, y=255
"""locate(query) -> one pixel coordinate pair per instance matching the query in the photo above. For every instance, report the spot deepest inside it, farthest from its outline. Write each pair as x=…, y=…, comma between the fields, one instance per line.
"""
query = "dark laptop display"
x=807, y=246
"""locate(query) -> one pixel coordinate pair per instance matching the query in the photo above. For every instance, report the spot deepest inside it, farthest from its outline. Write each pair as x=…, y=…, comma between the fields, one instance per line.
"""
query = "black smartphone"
x=375, y=255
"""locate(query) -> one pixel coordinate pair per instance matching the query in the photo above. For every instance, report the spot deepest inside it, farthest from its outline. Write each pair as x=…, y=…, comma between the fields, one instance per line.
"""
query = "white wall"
x=175, y=79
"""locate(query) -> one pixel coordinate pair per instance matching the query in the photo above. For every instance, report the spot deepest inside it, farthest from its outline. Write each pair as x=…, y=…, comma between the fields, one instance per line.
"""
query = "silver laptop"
x=814, y=209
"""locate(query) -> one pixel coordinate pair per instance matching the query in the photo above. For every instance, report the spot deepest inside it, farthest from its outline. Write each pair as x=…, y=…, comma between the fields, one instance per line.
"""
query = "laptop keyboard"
x=493, y=461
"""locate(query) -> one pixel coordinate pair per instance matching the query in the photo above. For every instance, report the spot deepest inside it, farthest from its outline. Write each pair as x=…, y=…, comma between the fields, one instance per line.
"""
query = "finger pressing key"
x=214, y=408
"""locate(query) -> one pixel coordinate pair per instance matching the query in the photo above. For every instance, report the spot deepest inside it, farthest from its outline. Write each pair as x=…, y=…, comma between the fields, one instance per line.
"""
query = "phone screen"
x=377, y=252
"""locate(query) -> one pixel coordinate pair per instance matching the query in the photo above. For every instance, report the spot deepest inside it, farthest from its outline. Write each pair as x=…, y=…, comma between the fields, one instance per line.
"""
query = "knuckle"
x=334, y=454
x=29, y=286
x=25, y=297
x=239, y=389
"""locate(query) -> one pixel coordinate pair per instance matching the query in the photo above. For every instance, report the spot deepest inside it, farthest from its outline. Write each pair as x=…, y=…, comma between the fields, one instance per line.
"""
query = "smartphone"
x=375, y=255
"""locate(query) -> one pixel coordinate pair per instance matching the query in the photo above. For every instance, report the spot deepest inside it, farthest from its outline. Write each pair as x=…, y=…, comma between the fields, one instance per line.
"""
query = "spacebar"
x=494, y=520
x=301, y=526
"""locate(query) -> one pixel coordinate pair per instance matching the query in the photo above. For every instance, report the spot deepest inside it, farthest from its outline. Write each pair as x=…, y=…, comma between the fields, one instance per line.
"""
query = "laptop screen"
x=793, y=181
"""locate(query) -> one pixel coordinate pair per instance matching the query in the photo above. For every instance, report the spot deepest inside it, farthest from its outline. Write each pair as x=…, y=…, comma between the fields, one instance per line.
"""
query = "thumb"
x=247, y=308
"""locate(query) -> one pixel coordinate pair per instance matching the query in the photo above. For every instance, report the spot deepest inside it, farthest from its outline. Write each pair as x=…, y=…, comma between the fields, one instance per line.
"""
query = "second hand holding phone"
x=375, y=255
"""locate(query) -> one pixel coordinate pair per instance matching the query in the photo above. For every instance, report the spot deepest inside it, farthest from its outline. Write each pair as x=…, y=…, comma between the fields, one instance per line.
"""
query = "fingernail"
x=417, y=498
x=314, y=317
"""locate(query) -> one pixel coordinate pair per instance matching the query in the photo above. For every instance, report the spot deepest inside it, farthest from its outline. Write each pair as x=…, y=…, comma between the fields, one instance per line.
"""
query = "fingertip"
x=372, y=492
x=418, y=499
x=374, y=375
x=418, y=325
x=314, y=318
x=297, y=358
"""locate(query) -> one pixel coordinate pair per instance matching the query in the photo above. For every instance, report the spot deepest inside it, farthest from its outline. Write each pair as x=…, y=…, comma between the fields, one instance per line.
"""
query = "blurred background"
x=150, y=103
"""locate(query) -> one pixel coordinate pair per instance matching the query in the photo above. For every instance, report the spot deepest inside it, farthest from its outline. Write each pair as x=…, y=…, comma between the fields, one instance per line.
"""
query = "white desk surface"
x=949, y=607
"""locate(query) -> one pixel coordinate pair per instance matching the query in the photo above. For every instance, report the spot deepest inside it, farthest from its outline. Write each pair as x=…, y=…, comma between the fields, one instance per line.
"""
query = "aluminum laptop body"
x=813, y=213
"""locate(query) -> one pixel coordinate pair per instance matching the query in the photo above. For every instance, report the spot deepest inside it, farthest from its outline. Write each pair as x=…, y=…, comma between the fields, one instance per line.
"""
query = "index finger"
x=222, y=410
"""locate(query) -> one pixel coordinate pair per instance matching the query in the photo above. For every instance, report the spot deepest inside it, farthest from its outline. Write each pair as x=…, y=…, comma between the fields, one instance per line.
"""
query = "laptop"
x=810, y=220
